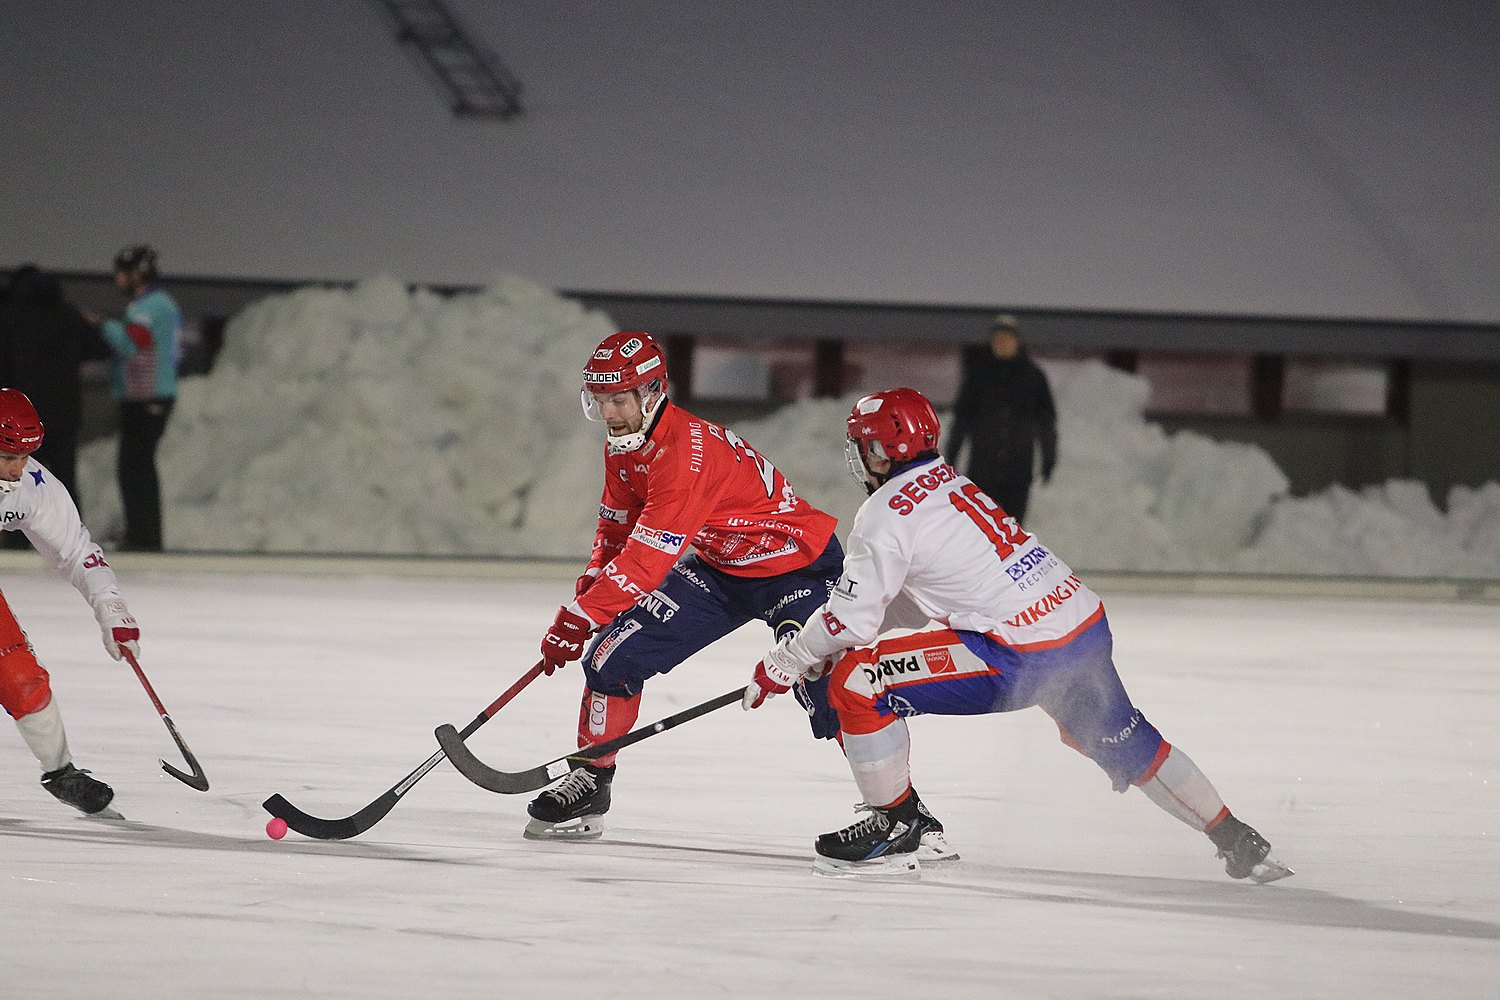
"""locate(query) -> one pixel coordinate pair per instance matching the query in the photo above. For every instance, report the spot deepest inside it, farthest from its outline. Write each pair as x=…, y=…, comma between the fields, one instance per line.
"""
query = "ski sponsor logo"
x=670, y=542
x=939, y=661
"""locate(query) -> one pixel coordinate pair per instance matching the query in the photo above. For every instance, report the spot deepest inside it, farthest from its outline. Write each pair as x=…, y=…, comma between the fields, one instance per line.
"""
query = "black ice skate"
x=1246, y=853
x=572, y=809
x=76, y=788
x=883, y=843
x=934, y=845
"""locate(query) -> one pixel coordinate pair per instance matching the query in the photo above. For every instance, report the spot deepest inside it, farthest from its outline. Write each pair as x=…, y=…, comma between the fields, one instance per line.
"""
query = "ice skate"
x=885, y=842
x=934, y=845
x=572, y=809
x=78, y=789
x=1246, y=853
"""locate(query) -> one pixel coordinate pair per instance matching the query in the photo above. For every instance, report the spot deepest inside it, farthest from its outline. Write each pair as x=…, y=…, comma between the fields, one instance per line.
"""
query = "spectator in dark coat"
x=1003, y=411
x=43, y=341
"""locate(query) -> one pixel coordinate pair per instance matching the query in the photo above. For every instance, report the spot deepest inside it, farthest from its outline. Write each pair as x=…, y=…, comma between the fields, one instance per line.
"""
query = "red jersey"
x=695, y=483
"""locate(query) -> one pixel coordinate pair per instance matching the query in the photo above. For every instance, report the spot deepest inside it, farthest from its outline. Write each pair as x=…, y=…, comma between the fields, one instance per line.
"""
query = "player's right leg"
x=685, y=614
x=26, y=694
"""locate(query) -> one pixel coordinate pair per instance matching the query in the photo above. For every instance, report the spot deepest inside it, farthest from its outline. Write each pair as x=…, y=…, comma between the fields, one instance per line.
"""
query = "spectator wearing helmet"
x=1004, y=413
x=1003, y=624
x=698, y=534
x=36, y=504
x=143, y=377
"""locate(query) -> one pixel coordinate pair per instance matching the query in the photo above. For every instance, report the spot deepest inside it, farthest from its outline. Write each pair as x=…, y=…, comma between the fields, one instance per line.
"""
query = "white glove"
x=773, y=675
x=120, y=629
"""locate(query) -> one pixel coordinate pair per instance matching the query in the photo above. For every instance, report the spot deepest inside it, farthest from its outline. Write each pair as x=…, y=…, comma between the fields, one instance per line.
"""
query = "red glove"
x=768, y=681
x=585, y=582
x=564, y=641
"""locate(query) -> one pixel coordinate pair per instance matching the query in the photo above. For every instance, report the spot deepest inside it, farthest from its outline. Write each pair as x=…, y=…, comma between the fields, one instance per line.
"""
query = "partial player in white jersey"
x=37, y=505
x=1015, y=627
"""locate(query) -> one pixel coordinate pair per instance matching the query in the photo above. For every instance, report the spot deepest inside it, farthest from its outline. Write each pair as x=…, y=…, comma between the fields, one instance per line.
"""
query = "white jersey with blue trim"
x=42, y=509
x=929, y=545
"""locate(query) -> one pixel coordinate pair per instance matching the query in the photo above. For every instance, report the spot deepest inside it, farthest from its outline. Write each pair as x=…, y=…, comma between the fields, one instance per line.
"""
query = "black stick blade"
x=529, y=780
x=330, y=829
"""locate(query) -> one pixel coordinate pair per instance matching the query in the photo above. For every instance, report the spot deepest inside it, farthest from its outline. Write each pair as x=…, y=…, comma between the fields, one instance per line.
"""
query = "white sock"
x=880, y=762
x=43, y=732
x=1184, y=791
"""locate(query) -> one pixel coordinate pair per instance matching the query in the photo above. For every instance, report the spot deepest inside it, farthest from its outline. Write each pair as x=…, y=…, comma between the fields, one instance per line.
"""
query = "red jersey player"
x=673, y=481
x=1005, y=625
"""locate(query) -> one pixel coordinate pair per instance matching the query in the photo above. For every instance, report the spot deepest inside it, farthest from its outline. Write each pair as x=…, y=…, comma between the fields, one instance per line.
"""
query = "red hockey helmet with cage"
x=623, y=361
x=897, y=424
x=20, y=427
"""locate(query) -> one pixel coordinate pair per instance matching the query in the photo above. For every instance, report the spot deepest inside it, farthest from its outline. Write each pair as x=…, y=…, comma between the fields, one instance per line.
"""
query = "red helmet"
x=20, y=427
x=897, y=424
x=625, y=361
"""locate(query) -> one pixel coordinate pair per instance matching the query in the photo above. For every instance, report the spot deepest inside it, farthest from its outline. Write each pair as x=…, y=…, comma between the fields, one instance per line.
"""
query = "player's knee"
x=24, y=685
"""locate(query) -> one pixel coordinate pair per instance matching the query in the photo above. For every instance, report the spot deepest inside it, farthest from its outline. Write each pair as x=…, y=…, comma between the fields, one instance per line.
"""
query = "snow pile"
x=377, y=420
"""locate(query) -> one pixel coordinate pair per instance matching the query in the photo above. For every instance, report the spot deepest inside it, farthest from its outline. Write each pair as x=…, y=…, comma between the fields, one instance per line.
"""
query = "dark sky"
x=1305, y=159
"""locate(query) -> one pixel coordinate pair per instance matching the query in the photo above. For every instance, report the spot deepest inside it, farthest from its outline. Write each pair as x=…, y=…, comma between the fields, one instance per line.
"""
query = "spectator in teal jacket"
x=143, y=377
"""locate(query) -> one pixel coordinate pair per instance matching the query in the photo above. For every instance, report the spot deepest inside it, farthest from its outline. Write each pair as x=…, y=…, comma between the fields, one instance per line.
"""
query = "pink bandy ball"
x=276, y=828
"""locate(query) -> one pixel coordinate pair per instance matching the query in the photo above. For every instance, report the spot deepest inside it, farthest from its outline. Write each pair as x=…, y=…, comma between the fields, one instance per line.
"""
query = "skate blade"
x=108, y=812
x=582, y=828
x=935, y=848
x=1269, y=870
x=900, y=866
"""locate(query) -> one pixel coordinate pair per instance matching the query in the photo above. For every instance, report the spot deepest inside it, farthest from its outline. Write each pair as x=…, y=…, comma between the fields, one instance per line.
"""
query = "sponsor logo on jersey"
x=612, y=515
x=845, y=587
x=611, y=643
x=1124, y=734
x=94, y=560
x=832, y=624
x=1030, y=560
x=601, y=378
x=630, y=346
x=661, y=607
x=893, y=666
x=795, y=595
x=670, y=542
x=1049, y=602
x=939, y=661
x=693, y=578
x=900, y=707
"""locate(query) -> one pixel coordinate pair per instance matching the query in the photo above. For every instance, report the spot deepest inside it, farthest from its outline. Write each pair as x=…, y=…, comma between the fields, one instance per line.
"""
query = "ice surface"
x=1357, y=735
x=379, y=420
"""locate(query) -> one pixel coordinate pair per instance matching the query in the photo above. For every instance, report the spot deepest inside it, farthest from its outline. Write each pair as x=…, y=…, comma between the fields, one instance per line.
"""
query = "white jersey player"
x=36, y=504
x=1015, y=627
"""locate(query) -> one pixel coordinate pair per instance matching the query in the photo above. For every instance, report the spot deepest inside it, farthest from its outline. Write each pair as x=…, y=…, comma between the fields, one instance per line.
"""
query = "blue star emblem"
x=37, y=475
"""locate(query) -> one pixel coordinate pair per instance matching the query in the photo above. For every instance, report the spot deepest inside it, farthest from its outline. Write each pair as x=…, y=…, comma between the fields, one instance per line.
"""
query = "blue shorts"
x=953, y=672
x=697, y=605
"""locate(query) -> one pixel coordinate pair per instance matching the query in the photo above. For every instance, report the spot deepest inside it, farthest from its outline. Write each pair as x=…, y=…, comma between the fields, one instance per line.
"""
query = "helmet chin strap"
x=620, y=444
